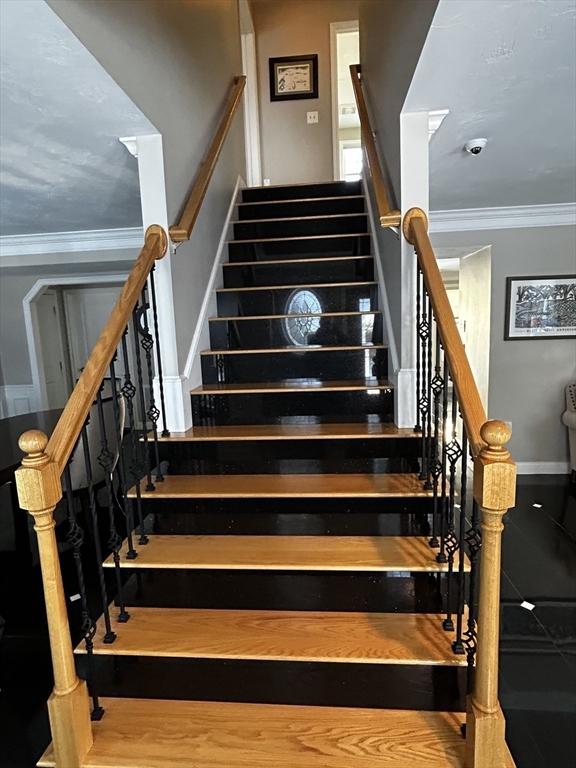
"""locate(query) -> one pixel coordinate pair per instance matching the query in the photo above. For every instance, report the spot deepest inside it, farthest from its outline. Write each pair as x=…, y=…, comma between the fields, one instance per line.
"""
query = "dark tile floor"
x=538, y=649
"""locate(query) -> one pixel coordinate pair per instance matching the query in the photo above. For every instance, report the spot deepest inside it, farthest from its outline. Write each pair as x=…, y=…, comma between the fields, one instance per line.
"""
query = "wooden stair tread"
x=300, y=636
x=292, y=553
x=234, y=318
x=287, y=486
x=305, y=260
x=292, y=385
x=317, y=216
x=359, y=431
x=301, y=237
x=140, y=733
x=292, y=349
x=297, y=285
x=298, y=200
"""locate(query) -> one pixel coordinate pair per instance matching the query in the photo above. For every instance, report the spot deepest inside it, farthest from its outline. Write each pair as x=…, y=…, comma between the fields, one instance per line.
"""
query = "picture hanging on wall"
x=294, y=77
x=541, y=307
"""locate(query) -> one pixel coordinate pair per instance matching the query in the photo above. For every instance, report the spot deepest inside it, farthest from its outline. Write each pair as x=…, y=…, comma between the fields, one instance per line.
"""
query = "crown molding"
x=511, y=217
x=52, y=247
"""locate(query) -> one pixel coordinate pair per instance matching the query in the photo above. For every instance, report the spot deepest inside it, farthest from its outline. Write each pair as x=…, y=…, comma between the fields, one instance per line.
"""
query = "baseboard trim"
x=543, y=467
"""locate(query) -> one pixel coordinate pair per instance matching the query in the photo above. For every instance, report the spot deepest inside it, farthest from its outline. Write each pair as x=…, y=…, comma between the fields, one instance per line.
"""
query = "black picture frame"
x=538, y=329
x=281, y=66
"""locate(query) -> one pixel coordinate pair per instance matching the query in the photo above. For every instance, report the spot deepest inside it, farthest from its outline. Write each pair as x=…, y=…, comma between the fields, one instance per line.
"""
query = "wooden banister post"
x=494, y=490
x=39, y=490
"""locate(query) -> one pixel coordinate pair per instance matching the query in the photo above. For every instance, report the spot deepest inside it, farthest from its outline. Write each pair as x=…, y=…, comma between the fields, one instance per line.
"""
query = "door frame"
x=335, y=28
x=251, y=106
x=32, y=324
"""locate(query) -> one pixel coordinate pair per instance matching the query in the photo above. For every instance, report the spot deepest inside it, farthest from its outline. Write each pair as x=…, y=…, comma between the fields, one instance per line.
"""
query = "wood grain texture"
x=292, y=385
x=183, y=229
x=315, y=636
x=287, y=486
x=242, y=432
x=307, y=348
x=306, y=260
x=139, y=733
x=285, y=287
x=287, y=553
x=388, y=216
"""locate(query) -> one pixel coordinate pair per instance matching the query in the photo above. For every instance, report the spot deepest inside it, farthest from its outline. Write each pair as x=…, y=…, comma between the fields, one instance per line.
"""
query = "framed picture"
x=294, y=77
x=541, y=307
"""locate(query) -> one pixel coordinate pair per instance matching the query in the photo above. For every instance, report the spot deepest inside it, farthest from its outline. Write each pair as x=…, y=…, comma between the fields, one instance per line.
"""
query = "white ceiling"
x=506, y=70
x=61, y=165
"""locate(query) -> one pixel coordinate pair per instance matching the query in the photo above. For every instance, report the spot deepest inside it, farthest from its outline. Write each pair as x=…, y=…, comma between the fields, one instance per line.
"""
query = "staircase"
x=287, y=608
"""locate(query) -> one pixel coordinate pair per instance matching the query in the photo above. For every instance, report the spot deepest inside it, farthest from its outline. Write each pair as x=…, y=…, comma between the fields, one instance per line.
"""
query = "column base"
x=70, y=726
x=485, y=738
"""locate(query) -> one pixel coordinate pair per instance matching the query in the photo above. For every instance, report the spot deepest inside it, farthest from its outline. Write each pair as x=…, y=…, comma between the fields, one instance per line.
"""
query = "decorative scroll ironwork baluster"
x=424, y=403
x=441, y=557
x=142, y=400
x=147, y=343
x=128, y=391
x=437, y=385
x=75, y=537
x=474, y=542
x=106, y=461
x=457, y=645
x=165, y=431
x=427, y=481
x=418, y=426
x=109, y=635
x=453, y=454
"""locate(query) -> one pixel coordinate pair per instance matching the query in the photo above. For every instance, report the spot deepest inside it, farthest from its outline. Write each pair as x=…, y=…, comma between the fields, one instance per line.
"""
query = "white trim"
x=251, y=109
x=31, y=323
x=202, y=323
x=543, y=467
x=14, y=247
x=336, y=27
x=512, y=217
x=405, y=407
x=435, y=119
x=131, y=144
x=16, y=399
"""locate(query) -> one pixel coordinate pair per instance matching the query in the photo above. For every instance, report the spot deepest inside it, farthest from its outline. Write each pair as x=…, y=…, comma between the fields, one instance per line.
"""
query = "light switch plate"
x=311, y=117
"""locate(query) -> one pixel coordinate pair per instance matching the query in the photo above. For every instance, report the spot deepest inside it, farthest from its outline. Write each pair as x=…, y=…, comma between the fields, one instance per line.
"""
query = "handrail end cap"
x=156, y=229
x=409, y=216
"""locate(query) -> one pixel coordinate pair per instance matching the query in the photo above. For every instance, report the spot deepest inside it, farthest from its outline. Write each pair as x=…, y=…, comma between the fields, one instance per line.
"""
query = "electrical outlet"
x=311, y=117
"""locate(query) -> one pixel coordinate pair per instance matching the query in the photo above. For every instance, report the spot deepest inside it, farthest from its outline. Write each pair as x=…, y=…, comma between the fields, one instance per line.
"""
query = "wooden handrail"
x=388, y=217
x=72, y=418
x=183, y=229
x=415, y=228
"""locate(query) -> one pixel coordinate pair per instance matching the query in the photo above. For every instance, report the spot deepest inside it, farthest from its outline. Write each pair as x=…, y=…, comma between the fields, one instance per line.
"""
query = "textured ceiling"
x=61, y=165
x=506, y=69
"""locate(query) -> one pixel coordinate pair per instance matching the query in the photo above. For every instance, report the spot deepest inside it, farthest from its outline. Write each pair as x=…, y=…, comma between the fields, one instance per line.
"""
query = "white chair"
x=569, y=419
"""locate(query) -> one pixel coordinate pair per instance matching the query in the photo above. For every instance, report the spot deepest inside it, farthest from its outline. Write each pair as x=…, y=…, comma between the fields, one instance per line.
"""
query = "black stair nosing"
x=234, y=318
x=300, y=286
x=299, y=238
x=298, y=200
x=304, y=260
x=303, y=348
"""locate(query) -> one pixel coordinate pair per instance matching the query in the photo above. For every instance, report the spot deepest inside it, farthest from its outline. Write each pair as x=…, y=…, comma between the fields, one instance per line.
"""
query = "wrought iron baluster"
x=441, y=557
x=453, y=454
x=144, y=431
x=427, y=481
x=474, y=542
x=75, y=537
x=147, y=343
x=424, y=404
x=418, y=427
x=106, y=461
x=457, y=645
x=109, y=635
x=165, y=431
x=128, y=391
x=437, y=385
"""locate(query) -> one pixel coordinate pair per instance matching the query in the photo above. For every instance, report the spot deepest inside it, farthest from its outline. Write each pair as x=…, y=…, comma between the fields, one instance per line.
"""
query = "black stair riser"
x=302, y=191
x=288, y=591
x=307, y=246
x=264, y=456
x=326, y=330
x=300, y=227
x=319, y=207
x=285, y=407
x=406, y=516
x=394, y=686
x=299, y=273
x=276, y=301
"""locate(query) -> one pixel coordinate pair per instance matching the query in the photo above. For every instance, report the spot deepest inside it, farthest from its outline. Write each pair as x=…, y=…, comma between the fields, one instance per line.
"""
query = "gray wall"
x=527, y=377
x=293, y=151
x=176, y=61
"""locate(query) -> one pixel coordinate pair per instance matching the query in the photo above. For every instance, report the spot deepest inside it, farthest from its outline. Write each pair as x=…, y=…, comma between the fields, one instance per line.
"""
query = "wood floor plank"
x=297, y=636
x=287, y=486
x=358, y=431
x=140, y=733
x=287, y=553
x=293, y=385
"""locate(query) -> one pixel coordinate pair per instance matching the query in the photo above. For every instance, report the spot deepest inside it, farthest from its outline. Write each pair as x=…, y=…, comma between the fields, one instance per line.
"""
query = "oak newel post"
x=494, y=490
x=39, y=490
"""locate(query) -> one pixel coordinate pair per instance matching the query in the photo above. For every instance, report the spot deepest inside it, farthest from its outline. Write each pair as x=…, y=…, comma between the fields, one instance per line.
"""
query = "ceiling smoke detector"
x=475, y=146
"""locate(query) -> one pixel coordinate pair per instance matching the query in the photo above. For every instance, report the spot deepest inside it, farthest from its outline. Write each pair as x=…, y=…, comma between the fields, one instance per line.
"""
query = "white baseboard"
x=543, y=467
x=405, y=398
x=16, y=399
x=175, y=397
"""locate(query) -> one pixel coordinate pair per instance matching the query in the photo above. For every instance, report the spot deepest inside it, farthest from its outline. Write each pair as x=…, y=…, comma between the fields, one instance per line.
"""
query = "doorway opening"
x=344, y=51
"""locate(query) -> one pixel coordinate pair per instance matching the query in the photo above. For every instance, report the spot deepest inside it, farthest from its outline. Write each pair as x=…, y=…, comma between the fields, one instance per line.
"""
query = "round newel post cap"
x=495, y=434
x=409, y=216
x=33, y=442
